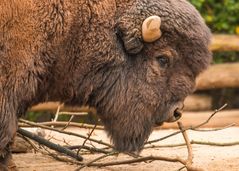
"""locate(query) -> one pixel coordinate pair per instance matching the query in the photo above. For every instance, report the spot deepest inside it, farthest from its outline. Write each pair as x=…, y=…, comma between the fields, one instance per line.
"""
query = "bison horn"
x=151, y=29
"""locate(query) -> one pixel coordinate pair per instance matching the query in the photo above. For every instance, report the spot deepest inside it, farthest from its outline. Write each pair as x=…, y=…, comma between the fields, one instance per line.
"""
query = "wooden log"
x=224, y=42
x=198, y=102
x=221, y=119
x=53, y=106
x=49, y=144
x=219, y=76
x=192, y=103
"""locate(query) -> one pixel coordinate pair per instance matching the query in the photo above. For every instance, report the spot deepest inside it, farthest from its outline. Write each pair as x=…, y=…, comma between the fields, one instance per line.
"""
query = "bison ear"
x=130, y=33
x=131, y=40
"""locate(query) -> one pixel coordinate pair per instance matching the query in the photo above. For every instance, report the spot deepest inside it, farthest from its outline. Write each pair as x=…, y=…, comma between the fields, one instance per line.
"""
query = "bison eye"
x=163, y=61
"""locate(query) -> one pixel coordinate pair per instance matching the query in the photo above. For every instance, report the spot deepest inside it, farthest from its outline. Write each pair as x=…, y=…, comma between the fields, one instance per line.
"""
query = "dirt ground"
x=211, y=158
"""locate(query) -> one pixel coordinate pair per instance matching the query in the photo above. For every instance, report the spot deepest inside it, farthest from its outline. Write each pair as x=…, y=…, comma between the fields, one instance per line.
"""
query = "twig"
x=189, y=161
x=140, y=159
x=49, y=144
x=91, y=149
x=223, y=144
x=189, y=128
x=211, y=116
x=164, y=146
x=56, y=156
x=68, y=123
x=215, y=129
x=64, y=132
x=189, y=147
x=181, y=168
x=62, y=124
x=215, y=143
x=91, y=132
x=57, y=113
x=97, y=159
x=29, y=142
x=73, y=113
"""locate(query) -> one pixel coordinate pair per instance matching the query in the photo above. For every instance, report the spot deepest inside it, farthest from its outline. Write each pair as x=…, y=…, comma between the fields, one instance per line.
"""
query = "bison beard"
x=135, y=61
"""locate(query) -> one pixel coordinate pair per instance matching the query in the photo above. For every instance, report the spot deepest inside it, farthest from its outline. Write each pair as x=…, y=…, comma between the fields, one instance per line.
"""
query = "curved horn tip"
x=151, y=29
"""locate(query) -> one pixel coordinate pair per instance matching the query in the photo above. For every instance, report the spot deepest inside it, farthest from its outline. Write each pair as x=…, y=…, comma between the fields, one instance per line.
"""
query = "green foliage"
x=221, y=16
x=222, y=57
x=33, y=116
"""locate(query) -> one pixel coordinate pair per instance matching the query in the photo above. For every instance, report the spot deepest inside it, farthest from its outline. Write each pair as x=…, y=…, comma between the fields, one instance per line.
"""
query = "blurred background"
x=223, y=19
x=215, y=87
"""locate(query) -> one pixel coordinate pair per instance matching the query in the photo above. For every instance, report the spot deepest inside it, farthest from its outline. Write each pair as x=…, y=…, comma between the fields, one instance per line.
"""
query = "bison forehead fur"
x=92, y=53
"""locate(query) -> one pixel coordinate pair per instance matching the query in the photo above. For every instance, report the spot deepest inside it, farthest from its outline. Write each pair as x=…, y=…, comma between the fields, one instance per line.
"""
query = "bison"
x=135, y=61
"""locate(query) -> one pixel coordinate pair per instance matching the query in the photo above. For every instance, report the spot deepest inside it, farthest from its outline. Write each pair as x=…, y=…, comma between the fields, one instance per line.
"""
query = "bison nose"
x=177, y=114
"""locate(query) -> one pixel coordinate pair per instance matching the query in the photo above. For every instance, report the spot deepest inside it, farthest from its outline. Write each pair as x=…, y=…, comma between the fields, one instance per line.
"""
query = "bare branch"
x=62, y=124
x=140, y=159
x=68, y=123
x=215, y=129
x=97, y=159
x=189, y=161
x=49, y=144
x=91, y=132
x=91, y=149
x=215, y=143
x=64, y=132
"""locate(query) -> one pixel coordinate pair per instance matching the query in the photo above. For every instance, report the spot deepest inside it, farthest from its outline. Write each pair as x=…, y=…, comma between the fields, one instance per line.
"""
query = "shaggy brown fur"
x=90, y=52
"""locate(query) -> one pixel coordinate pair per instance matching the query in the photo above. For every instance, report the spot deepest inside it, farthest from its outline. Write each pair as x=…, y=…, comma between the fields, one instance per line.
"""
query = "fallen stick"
x=68, y=123
x=64, y=132
x=189, y=147
x=220, y=144
x=91, y=132
x=215, y=129
x=49, y=144
x=91, y=149
x=73, y=134
x=140, y=159
x=189, y=163
x=63, y=124
x=94, y=160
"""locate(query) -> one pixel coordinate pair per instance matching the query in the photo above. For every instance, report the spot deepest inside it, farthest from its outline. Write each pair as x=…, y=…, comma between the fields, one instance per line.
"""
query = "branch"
x=189, y=161
x=140, y=159
x=215, y=143
x=211, y=116
x=64, y=132
x=91, y=149
x=91, y=132
x=189, y=147
x=68, y=123
x=99, y=158
x=49, y=144
x=214, y=129
x=62, y=124
x=223, y=144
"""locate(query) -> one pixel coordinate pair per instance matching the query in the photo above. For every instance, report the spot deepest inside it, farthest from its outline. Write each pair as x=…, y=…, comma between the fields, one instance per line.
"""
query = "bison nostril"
x=177, y=114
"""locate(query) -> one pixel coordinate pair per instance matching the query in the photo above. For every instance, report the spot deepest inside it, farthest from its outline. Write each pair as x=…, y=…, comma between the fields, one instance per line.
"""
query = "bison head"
x=164, y=46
